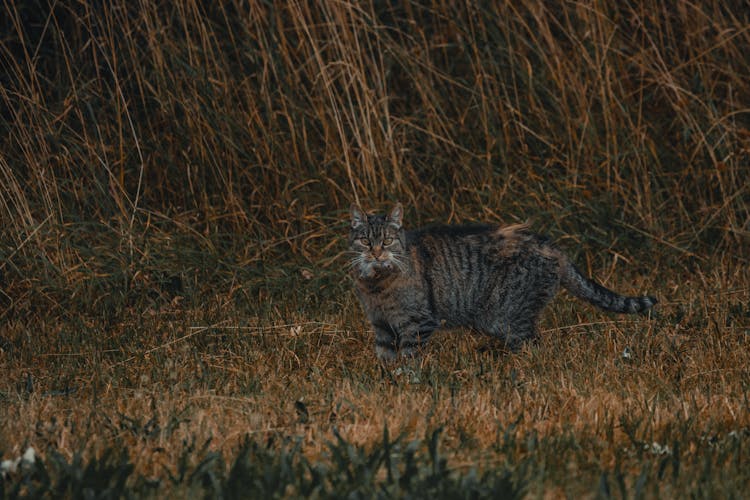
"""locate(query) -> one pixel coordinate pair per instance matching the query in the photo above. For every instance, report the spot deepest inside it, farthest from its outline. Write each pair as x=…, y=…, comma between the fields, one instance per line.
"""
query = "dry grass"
x=173, y=186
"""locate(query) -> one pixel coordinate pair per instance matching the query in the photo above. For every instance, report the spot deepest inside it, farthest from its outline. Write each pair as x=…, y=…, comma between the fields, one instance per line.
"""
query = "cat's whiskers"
x=358, y=261
x=399, y=261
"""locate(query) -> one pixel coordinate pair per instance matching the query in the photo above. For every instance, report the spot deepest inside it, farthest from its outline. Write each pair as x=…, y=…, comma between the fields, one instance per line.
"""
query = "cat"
x=493, y=279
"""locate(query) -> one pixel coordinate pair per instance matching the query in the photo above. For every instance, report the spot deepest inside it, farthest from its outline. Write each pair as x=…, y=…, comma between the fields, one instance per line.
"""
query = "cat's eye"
x=364, y=241
x=387, y=241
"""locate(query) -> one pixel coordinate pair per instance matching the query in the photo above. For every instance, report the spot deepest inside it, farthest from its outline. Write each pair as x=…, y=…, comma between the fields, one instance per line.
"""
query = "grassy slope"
x=174, y=187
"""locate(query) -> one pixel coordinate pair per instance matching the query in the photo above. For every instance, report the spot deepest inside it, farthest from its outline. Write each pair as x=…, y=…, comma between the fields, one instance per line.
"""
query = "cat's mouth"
x=374, y=266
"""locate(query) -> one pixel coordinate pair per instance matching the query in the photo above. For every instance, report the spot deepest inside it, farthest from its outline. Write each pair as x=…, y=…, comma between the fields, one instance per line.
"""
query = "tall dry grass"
x=267, y=118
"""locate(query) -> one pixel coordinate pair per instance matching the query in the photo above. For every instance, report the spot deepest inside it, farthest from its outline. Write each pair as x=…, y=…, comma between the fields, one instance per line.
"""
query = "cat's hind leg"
x=518, y=331
x=514, y=319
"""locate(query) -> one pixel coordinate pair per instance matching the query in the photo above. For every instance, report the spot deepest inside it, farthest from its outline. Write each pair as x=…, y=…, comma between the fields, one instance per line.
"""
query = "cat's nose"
x=377, y=250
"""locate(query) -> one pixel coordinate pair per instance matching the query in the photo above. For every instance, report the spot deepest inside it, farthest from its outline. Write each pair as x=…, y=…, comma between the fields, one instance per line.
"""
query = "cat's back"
x=431, y=236
x=456, y=254
x=470, y=254
x=462, y=266
x=485, y=239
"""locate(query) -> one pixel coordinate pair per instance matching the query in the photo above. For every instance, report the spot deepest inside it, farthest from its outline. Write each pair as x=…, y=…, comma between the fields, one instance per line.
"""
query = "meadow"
x=175, y=313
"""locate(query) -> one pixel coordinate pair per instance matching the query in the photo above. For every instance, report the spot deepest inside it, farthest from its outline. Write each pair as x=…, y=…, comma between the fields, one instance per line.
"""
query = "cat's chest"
x=382, y=296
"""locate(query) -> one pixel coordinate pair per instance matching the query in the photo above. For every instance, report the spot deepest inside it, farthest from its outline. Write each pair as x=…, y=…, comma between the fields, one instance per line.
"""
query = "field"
x=175, y=313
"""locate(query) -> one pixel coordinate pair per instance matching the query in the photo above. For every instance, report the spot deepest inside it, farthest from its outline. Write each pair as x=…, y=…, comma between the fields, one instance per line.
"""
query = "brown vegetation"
x=174, y=179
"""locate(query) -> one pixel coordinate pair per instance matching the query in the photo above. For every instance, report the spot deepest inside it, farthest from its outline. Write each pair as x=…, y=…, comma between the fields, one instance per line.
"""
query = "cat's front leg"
x=386, y=342
x=414, y=336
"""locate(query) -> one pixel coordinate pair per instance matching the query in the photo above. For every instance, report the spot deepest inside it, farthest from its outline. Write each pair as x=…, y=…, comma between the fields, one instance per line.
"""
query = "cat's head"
x=378, y=242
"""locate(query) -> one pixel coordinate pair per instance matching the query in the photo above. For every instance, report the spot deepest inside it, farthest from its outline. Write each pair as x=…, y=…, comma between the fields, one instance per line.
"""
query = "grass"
x=175, y=317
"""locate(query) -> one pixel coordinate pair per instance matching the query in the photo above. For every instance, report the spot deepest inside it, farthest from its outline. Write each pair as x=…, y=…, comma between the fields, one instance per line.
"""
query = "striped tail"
x=586, y=289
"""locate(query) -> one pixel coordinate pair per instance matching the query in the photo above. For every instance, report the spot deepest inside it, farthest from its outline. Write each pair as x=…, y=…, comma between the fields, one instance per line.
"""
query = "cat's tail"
x=582, y=287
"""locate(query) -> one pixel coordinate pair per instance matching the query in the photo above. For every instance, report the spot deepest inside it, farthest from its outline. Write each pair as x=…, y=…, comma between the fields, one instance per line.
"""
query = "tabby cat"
x=494, y=279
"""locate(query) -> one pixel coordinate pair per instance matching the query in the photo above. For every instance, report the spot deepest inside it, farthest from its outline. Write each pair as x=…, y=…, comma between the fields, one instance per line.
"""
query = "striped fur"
x=495, y=280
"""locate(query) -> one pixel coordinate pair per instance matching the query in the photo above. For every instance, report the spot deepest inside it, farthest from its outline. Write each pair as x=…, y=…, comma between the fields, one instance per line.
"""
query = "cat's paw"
x=408, y=374
x=385, y=354
x=409, y=352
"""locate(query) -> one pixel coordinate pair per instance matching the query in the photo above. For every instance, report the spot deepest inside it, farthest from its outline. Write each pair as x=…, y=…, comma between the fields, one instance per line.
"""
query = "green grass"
x=175, y=315
x=401, y=468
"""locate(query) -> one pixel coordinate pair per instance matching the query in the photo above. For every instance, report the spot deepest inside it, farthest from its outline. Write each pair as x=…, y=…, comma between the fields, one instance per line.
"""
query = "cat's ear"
x=358, y=216
x=397, y=215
